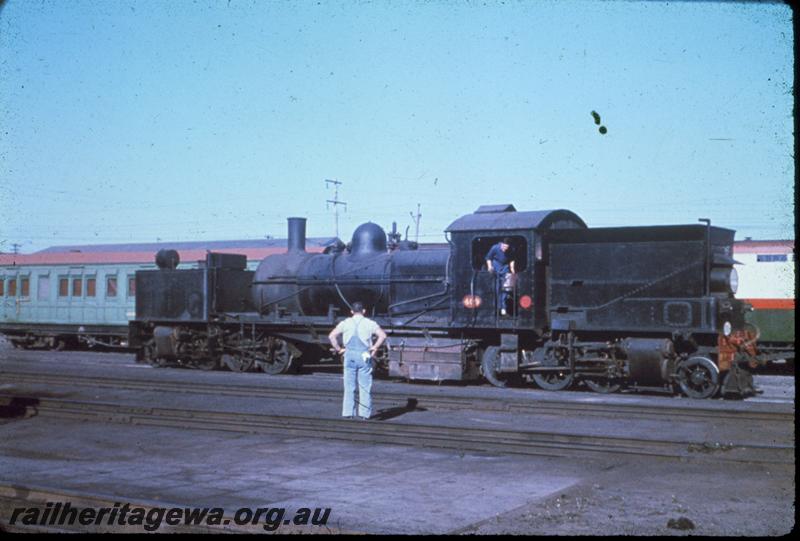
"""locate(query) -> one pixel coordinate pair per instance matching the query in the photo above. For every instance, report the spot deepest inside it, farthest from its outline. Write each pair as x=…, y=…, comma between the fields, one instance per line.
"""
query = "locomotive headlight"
x=733, y=280
x=727, y=328
x=724, y=280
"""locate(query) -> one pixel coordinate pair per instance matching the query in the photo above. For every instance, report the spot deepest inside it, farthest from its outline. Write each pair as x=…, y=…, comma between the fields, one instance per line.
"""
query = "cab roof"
x=506, y=217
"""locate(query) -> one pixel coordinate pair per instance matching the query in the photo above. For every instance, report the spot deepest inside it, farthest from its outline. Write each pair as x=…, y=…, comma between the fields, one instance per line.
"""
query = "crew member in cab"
x=500, y=260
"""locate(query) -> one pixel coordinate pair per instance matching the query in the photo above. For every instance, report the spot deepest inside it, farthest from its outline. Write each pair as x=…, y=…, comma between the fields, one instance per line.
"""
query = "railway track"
x=694, y=410
x=465, y=439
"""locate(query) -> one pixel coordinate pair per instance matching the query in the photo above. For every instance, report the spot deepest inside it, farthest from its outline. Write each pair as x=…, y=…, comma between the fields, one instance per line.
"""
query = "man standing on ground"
x=358, y=352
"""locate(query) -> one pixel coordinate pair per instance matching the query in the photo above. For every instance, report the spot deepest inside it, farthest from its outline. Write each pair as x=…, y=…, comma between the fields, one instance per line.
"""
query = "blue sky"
x=132, y=121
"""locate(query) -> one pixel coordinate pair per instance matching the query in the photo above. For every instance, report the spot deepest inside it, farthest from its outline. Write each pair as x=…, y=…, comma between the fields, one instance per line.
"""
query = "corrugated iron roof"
x=214, y=245
x=510, y=220
x=196, y=252
x=763, y=246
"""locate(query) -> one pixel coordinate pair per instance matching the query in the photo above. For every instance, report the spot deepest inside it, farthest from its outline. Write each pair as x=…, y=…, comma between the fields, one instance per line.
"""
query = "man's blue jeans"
x=357, y=377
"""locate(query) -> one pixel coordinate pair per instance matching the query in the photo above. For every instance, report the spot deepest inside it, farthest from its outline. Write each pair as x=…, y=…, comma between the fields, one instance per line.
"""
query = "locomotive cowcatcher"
x=639, y=307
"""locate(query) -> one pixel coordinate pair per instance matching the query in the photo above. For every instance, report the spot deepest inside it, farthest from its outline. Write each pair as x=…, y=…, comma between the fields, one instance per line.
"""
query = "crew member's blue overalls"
x=500, y=263
x=357, y=374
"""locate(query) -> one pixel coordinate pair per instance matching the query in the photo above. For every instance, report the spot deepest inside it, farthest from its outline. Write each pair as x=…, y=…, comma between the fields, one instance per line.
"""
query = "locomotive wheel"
x=278, y=360
x=209, y=363
x=238, y=363
x=159, y=362
x=698, y=377
x=489, y=365
x=602, y=385
x=555, y=380
x=146, y=353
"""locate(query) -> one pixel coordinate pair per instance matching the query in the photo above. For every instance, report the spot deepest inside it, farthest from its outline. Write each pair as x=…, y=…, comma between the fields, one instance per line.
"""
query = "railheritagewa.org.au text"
x=152, y=518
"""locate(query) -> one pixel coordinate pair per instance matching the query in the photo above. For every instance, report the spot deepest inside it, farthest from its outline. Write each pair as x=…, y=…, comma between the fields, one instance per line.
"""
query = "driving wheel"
x=238, y=363
x=490, y=364
x=278, y=358
x=698, y=377
x=603, y=385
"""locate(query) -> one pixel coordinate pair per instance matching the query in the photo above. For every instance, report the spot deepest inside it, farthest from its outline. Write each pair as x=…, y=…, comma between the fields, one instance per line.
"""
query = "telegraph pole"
x=16, y=246
x=335, y=201
x=416, y=222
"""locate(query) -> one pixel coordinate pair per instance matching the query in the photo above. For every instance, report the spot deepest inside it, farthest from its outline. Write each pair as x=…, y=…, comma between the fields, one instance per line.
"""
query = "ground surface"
x=649, y=498
x=380, y=488
x=391, y=489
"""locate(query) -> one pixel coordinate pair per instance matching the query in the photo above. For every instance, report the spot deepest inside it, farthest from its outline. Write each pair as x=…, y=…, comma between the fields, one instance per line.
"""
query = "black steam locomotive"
x=607, y=307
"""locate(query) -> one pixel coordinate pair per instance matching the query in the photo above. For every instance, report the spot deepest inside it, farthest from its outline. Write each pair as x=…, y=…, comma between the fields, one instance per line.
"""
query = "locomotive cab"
x=477, y=291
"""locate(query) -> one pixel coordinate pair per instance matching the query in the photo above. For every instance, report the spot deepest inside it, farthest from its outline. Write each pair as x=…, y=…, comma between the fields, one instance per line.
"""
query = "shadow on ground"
x=18, y=407
x=397, y=411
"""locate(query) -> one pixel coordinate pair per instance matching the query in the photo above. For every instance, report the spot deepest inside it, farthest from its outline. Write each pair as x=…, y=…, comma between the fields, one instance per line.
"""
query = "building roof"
x=214, y=245
x=749, y=246
x=255, y=249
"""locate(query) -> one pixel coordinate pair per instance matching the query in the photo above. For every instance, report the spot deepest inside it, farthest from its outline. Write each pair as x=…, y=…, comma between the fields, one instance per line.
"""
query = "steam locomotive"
x=639, y=307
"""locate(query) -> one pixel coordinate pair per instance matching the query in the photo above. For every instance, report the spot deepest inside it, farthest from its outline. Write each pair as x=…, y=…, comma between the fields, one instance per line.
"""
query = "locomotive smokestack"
x=297, y=235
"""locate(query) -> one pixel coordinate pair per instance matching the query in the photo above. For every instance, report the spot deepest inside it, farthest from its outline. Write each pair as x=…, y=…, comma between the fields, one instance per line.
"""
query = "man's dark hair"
x=507, y=240
x=357, y=307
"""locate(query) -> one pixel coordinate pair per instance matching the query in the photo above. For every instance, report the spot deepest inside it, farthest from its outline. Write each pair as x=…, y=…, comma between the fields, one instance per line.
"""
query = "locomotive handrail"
x=382, y=282
x=445, y=291
x=640, y=288
x=417, y=299
x=287, y=280
x=474, y=313
x=262, y=305
x=428, y=309
x=707, y=275
x=336, y=282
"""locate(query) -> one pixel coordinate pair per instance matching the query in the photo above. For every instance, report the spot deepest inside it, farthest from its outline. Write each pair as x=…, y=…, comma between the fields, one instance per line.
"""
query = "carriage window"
x=769, y=258
x=63, y=287
x=2, y=290
x=91, y=286
x=12, y=287
x=131, y=286
x=111, y=286
x=43, y=288
x=518, y=247
x=25, y=287
x=77, y=287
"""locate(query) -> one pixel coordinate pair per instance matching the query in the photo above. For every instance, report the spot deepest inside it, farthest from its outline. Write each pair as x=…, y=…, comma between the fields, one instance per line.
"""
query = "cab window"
x=771, y=258
x=518, y=248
